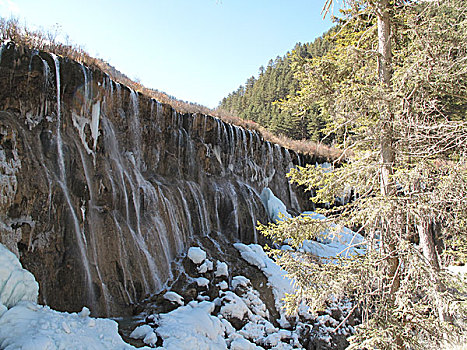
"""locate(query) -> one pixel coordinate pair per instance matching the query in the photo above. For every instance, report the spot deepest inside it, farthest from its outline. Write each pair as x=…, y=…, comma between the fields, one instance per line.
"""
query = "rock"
x=118, y=190
x=196, y=255
x=222, y=269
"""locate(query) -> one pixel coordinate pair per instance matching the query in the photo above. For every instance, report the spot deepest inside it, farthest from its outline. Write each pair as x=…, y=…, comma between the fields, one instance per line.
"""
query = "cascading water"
x=62, y=180
x=138, y=181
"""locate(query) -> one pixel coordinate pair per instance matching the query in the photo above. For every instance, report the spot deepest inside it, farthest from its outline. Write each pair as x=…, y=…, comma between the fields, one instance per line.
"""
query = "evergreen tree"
x=258, y=101
x=394, y=89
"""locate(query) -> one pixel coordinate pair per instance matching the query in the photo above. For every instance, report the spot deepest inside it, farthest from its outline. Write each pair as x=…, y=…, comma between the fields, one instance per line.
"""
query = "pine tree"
x=394, y=87
x=258, y=101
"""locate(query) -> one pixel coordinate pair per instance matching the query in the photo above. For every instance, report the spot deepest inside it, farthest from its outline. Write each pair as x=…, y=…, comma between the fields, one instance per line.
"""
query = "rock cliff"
x=102, y=188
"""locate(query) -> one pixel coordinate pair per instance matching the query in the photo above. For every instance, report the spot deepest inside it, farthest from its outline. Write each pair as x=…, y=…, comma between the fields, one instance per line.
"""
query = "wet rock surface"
x=102, y=188
x=239, y=315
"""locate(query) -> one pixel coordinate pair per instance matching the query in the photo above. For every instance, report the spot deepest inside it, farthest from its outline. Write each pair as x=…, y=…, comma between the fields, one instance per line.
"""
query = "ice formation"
x=26, y=325
x=275, y=208
x=16, y=283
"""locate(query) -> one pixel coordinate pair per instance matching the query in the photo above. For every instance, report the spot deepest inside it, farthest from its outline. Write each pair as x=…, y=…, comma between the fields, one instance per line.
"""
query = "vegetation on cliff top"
x=257, y=99
x=46, y=41
x=394, y=87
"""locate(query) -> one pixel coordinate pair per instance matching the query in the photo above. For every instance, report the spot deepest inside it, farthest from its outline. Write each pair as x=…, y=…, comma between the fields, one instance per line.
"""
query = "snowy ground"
x=226, y=311
x=238, y=318
x=26, y=325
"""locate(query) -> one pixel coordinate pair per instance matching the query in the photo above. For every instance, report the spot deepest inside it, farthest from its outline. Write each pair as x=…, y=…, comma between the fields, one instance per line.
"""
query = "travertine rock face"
x=101, y=187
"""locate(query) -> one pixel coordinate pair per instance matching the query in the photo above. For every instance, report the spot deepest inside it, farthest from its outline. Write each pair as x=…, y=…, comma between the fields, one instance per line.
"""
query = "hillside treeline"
x=256, y=100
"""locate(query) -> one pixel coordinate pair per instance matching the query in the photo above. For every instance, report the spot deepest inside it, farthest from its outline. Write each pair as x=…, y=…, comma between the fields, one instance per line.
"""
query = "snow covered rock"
x=234, y=309
x=206, y=266
x=196, y=255
x=16, y=283
x=202, y=282
x=240, y=281
x=223, y=285
x=249, y=256
x=31, y=326
x=150, y=339
x=174, y=297
x=277, y=277
x=243, y=344
x=141, y=331
x=192, y=327
x=222, y=269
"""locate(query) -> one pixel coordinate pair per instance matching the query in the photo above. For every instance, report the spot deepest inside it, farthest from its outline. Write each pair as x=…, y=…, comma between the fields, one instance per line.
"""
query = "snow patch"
x=196, y=255
x=174, y=297
x=31, y=326
x=192, y=327
x=234, y=306
x=206, y=266
x=222, y=269
x=202, y=282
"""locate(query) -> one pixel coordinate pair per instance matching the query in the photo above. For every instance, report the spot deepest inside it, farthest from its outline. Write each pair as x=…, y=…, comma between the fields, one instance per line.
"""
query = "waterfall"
x=62, y=180
x=139, y=181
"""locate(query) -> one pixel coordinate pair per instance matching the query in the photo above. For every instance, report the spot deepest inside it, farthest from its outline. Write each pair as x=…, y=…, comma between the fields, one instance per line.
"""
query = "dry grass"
x=10, y=30
x=301, y=146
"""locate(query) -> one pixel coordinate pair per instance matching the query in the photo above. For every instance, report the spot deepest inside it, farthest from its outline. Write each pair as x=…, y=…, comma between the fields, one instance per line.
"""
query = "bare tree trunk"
x=386, y=116
x=387, y=156
x=427, y=242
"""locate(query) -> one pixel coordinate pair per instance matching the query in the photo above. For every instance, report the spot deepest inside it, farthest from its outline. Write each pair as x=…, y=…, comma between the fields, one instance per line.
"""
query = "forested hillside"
x=256, y=100
x=393, y=91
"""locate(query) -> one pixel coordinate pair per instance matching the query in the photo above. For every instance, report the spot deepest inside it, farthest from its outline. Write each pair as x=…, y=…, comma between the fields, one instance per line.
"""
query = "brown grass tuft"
x=10, y=30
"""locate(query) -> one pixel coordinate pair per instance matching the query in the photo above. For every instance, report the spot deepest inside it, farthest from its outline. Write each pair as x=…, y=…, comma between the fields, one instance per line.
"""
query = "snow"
x=206, y=266
x=222, y=269
x=16, y=283
x=26, y=325
x=31, y=326
x=249, y=256
x=141, y=331
x=275, y=208
x=277, y=277
x=243, y=344
x=174, y=297
x=339, y=241
x=234, y=306
x=192, y=327
x=240, y=281
x=196, y=255
x=223, y=285
x=150, y=339
x=202, y=282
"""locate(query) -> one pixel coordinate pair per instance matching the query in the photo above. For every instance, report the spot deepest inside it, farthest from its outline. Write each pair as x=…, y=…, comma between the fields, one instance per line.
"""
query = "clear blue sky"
x=195, y=50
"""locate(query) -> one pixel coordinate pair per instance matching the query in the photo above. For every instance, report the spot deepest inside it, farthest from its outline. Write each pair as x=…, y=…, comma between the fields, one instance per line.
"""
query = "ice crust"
x=26, y=325
x=16, y=283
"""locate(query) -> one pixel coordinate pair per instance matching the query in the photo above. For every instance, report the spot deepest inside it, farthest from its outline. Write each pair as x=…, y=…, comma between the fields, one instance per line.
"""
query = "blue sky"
x=195, y=50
